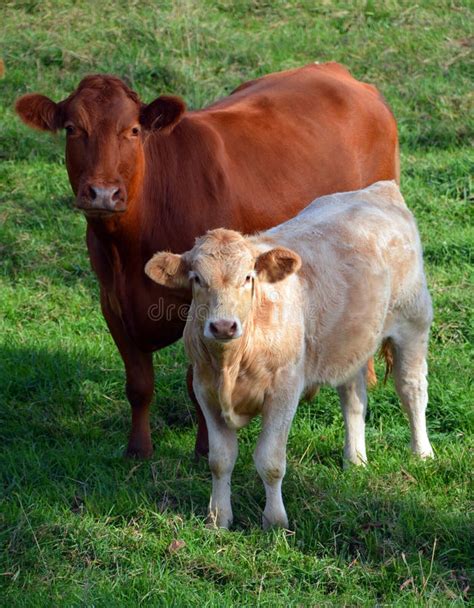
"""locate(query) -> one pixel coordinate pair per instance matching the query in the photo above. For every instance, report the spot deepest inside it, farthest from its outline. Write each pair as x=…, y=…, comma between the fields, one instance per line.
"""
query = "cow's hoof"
x=200, y=451
x=138, y=452
x=198, y=455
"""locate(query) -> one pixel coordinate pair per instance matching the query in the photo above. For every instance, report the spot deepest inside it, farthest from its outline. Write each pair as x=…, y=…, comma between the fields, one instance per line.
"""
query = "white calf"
x=307, y=303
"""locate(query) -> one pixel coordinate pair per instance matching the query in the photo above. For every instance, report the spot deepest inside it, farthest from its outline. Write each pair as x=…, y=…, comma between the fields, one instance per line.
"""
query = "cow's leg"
x=139, y=385
x=353, y=396
x=409, y=372
x=201, y=447
x=270, y=453
x=139, y=389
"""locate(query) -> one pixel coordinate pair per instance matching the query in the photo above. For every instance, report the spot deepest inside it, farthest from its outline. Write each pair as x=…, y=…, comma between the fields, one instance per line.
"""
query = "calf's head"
x=106, y=125
x=224, y=269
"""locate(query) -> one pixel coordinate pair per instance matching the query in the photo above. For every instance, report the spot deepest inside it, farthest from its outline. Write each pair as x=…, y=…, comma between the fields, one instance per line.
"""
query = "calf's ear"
x=162, y=114
x=39, y=112
x=168, y=269
x=276, y=264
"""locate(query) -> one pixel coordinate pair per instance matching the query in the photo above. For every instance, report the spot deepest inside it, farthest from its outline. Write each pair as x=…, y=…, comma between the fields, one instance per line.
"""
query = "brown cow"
x=153, y=176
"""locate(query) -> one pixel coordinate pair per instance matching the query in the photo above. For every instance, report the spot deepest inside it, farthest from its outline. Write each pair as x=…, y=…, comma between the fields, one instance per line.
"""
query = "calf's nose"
x=224, y=329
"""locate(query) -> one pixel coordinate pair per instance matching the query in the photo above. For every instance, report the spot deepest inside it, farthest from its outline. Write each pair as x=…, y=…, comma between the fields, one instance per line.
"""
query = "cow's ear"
x=39, y=112
x=277, y=264
x=168, y=269
x=162, y=114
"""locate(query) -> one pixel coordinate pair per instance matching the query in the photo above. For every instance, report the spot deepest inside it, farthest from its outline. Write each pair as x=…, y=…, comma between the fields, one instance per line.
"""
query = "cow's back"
x=289, y=137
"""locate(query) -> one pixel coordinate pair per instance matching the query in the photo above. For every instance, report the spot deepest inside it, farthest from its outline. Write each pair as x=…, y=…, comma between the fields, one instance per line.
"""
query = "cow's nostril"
x=233, y=327
x=92, y=193
x=213, y=328
x=116, y=194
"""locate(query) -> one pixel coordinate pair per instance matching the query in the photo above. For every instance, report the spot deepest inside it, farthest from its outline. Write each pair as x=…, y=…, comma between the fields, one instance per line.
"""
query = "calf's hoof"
x=274, y=520
x=215, y=521
x=354, y=460
x=425, y=453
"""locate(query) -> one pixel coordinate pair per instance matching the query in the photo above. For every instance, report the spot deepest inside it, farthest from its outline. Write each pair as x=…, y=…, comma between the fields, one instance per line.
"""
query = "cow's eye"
x=135, y=131
x=248, y=278
x=70, y=129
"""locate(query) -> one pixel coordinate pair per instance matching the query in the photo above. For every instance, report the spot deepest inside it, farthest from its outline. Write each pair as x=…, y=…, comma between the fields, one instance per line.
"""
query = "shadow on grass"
x=56, y=392
x=63, y=427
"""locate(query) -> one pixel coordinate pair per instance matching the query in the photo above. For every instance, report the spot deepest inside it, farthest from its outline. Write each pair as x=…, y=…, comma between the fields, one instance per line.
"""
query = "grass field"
x=80, y=526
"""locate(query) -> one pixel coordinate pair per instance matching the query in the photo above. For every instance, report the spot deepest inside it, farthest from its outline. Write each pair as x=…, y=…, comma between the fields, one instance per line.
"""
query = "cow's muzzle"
x=96, y=200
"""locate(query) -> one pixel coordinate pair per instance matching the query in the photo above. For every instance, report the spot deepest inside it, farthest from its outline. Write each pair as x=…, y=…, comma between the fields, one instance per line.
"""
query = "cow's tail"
x=386, y=352
x=371, y=376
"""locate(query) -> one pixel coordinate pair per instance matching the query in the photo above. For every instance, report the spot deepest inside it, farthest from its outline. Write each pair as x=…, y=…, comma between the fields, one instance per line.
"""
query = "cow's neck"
x=119, y=240
x=184, y=178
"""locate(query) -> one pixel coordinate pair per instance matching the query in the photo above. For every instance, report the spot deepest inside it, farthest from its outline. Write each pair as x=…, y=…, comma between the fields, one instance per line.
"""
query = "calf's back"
x=361, y=275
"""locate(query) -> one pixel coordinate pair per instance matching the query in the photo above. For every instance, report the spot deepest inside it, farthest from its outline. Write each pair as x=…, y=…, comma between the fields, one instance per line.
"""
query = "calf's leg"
x=353, y=397
x=409, y=372
x=270, y=455
x=223, y=451
x=222, y=456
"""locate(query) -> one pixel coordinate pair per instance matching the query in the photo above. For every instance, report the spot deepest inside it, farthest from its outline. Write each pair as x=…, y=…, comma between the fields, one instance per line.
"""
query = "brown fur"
x=386, y=351
x=248, y=161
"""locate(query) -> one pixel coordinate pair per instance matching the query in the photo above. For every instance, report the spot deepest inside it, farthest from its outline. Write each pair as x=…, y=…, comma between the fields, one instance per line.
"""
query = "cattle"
x=307, y=303
x=154, y=176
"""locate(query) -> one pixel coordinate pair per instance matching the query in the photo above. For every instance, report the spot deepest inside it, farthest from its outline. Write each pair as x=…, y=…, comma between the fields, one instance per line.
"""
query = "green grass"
x=79, y=526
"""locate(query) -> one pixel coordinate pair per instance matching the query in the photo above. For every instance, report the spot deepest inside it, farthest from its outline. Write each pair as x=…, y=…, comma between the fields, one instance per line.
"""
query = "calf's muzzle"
x=223, y=329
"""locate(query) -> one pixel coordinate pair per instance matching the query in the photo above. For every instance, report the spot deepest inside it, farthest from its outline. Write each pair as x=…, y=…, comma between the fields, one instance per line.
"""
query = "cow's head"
x=106, y=125
x=224, y=269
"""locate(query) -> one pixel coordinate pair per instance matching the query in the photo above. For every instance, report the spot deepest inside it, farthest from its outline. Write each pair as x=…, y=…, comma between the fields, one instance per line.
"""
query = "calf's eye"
x=69, y=129
x=135, y=131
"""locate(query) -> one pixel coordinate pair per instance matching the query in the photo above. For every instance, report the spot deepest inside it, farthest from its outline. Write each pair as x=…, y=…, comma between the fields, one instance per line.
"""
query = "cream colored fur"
x=361, y=280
